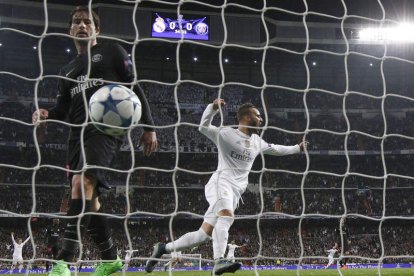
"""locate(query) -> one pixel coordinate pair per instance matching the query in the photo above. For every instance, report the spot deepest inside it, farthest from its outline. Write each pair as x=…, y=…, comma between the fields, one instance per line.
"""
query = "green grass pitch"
x=331, y=272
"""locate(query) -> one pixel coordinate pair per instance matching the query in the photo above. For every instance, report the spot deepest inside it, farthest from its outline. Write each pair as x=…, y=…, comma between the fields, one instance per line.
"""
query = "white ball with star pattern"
x=114, y=109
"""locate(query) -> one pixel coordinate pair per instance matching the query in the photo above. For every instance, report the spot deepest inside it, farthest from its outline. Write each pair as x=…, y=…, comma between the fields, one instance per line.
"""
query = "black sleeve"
x=60, y=110
x=125, y=70
x=146, y=117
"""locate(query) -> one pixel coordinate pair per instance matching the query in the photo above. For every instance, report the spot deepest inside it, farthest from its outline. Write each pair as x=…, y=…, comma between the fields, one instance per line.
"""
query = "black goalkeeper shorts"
x=100, y=150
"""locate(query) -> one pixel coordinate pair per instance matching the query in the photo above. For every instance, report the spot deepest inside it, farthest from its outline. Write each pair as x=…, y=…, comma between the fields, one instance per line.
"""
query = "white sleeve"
x=28, y=238
x=279, y=150
x=205, y=126
x=14, y=242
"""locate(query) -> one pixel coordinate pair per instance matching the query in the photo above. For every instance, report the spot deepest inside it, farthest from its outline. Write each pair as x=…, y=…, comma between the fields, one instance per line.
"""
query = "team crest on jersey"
x=246, y=143
x=96, y=58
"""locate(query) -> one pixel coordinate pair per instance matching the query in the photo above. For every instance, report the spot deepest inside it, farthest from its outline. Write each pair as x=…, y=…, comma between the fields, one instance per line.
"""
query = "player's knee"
x=79, y=183
x=207, y=227
x=225, y=212
x=226, y=220
x=96, y=205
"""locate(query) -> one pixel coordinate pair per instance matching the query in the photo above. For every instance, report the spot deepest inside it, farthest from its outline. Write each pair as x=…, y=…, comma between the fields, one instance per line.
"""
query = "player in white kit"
x=128, y=257
x=331, y=257
x=18, y=253
x=231, y=249
x=175, y=259
x=237, y=149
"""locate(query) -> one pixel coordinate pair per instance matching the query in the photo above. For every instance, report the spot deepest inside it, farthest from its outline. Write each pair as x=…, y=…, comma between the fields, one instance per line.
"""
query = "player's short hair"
x=244, y=109
x=95, y=16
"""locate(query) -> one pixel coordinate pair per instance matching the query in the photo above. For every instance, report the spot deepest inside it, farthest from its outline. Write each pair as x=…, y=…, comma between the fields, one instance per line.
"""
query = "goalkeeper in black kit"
x=109, y=62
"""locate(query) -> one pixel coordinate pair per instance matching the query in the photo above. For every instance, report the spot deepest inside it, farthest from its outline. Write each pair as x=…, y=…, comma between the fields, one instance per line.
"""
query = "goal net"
x=335, y=73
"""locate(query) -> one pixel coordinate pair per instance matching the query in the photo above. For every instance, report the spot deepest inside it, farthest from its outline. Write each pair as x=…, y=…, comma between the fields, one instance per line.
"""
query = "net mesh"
x=302, y=63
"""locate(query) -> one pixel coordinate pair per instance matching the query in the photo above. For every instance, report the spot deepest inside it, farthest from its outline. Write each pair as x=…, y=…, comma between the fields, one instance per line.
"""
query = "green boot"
x=105, y=269
x=60, y=269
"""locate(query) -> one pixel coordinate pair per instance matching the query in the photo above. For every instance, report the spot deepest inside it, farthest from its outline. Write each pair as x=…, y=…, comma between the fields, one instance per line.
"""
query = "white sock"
x=188, y=241
x=215, y=245
x=221, y=235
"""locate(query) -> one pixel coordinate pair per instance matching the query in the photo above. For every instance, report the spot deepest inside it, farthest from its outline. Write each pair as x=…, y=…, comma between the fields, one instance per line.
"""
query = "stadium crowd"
x=33, y=199
x=279, y=240
x=326, y=118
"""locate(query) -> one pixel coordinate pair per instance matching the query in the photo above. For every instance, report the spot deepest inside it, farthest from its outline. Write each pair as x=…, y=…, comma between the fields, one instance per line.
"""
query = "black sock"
x=70, y=239
x=99, y=231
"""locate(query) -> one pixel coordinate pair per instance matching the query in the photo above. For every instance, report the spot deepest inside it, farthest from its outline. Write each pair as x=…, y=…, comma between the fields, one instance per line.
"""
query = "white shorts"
x=17, y=260
x=220, y=196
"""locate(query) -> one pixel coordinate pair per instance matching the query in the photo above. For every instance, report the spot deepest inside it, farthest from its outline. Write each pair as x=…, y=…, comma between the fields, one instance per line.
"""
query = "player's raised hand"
x=218, y=102
x=40, y=114
x=149, y=140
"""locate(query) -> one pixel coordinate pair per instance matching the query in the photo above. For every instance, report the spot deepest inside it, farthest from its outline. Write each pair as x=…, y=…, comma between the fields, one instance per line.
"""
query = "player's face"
x=83, y=27
x=19, y=241
x=255, y=120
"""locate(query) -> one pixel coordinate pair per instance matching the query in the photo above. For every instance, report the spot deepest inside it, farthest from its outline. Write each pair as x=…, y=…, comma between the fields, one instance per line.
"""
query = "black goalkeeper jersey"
x=53, y=236
x=109, y=62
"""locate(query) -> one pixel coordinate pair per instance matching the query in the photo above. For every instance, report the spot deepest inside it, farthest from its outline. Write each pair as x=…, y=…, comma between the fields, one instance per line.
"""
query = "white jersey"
x=232, y=248
x=332, y=252
x=18, y=248
x=237, y=151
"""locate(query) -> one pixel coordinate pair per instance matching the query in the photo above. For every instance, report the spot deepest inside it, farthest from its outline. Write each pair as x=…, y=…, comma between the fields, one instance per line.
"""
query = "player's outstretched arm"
x=12, y=236
x=26, y=240
x=281, y=150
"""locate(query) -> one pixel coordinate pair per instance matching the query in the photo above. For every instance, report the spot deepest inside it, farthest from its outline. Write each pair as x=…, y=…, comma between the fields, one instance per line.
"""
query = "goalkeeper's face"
x=83, y=27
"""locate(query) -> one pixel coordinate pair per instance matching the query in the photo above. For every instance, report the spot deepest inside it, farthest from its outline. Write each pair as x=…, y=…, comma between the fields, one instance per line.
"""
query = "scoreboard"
x=185, y=26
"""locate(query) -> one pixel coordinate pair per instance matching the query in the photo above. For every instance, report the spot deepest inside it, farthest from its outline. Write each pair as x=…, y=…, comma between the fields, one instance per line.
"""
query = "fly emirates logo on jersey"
x=246, y=154
x=84, y=85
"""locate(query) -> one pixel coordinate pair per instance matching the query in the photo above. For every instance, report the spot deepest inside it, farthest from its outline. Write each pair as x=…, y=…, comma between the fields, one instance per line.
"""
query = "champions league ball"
x=114, y=109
